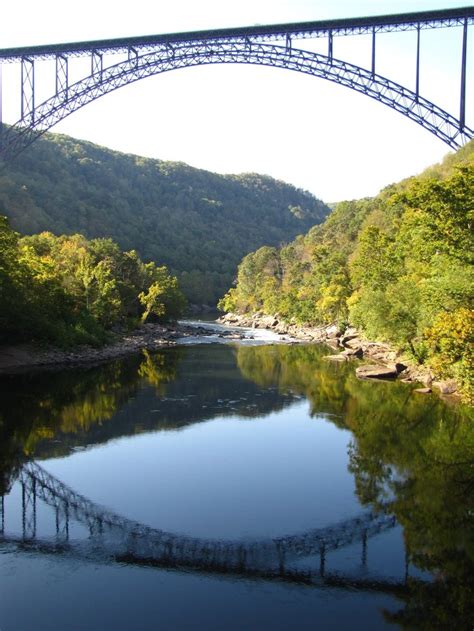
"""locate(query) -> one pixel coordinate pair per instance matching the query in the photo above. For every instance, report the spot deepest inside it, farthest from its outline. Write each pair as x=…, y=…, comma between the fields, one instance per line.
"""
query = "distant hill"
x=198, y=223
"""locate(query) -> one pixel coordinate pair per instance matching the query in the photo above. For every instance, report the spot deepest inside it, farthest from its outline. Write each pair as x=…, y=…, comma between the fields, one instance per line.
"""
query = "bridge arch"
x=118, y=536
x=184, y=54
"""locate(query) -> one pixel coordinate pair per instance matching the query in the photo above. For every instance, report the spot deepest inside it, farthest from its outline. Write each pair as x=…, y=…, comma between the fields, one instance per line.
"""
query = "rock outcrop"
x=376, y=371
x=385, y=362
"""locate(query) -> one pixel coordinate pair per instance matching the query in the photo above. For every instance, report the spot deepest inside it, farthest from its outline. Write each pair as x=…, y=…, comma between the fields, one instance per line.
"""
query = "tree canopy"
x=70, y=290
x=398, y=266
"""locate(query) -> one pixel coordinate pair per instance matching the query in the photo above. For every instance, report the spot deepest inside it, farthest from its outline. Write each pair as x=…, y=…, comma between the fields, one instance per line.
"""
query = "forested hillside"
x=198, y=223
x=399, y=266
x=69, y=290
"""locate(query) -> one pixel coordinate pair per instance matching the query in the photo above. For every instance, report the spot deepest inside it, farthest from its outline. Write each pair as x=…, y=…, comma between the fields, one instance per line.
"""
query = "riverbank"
x=380, y=360
x=149, y=337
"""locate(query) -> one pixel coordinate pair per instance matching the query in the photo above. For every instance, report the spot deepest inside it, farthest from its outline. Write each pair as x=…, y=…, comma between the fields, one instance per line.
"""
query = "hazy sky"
x=315, y=134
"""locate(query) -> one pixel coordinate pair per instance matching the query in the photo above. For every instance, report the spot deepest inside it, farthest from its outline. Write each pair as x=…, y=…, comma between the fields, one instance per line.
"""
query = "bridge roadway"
x=252, y=34
x=119, y=537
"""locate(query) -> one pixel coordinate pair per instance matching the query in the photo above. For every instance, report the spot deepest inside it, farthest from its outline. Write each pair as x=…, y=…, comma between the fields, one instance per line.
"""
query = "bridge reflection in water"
x=112, y=537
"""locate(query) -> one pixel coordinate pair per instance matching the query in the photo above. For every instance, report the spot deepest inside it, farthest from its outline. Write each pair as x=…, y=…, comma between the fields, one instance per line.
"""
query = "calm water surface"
x=232, y=487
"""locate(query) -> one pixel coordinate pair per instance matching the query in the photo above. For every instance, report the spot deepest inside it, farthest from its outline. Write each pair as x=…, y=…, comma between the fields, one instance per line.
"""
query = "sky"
x=307, y=131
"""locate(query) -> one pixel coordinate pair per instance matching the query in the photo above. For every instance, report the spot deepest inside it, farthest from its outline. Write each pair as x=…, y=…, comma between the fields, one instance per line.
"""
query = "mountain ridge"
x=196, y=222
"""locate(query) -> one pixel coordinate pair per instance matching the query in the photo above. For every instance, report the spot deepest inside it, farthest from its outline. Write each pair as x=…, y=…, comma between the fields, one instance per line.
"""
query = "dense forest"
x=199, y=224
x=398, y=266
x=69, y=290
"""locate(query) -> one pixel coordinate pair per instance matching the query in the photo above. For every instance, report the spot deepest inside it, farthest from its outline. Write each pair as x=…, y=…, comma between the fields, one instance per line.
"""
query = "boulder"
x=427, y=379
x=333, y=331
x=350, y=331
x=346, y=338
x=381, y=355
x=352, y=353
x=400, y=367
x=397, y=366
x=422, y=390
x=352, y=342
x=445, y=387
x=373, y=371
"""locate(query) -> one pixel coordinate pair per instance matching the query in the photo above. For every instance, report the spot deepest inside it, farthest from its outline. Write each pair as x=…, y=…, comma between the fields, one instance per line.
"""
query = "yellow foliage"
x=452, y=340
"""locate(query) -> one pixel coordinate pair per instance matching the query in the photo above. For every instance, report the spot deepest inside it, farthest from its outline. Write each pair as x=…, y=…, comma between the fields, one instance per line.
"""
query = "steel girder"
x=103, y=80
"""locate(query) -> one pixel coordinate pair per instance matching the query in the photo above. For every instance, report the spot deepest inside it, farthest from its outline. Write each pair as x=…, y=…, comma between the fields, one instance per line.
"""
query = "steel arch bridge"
x=272, y=45
x=117, y=537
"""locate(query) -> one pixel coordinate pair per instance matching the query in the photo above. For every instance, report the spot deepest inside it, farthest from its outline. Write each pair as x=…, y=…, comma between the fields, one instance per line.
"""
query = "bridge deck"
x=257, y=33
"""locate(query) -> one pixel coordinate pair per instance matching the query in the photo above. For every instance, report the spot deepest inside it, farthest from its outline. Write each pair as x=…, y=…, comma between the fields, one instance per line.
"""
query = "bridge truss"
x=118, y=62
x=116, y=537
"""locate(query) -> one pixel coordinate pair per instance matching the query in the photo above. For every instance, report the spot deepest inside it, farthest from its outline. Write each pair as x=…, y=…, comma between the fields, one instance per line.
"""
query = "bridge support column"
x=27, y=90
x=373, y=50
x=462, y=113
x=1, y=111
x=28, y=502
x=322, y=560
x=97, y=63
x=2, y=514
x=62, y=75
x=96, y=527
x=364, y=548
x=417, y=76
x=62, y=522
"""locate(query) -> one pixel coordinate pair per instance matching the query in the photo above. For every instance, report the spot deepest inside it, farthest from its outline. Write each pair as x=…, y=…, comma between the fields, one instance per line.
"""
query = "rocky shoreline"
x=383, y=362
x=149, y=337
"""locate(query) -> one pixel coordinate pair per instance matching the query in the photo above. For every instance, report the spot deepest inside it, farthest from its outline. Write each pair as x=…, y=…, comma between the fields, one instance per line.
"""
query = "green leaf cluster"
x=71, y=290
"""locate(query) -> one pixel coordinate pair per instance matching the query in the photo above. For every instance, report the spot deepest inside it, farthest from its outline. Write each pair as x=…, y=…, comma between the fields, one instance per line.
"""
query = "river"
x=240, y=485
